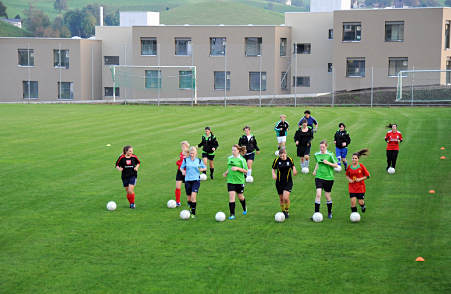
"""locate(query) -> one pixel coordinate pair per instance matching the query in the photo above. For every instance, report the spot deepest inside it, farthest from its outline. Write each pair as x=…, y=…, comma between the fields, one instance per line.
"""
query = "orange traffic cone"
x=443, y=157
x=432, y=191
x=443, y=148
x=419, y=259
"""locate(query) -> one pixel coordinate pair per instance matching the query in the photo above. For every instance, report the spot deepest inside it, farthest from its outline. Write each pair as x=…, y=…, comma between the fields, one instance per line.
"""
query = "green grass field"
x=58, y=174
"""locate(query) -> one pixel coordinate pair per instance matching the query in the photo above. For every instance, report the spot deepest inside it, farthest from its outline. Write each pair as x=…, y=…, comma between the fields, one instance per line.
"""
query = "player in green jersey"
x=324, y=175
x=236, y=168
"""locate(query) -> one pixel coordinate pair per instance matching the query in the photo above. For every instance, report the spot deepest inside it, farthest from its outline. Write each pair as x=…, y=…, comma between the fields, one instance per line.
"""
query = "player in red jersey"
x=356, y=174
x=393, y=138
x=180, y=178
x=128, y=164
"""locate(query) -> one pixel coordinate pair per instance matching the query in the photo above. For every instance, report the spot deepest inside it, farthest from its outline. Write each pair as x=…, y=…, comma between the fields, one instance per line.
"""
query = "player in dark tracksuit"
x=342, y=141
x=128, y=164
x=250, y=142
x=210, y=144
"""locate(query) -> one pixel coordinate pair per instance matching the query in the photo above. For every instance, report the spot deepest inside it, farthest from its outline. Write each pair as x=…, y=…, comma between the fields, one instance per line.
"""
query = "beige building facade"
x=312, y=53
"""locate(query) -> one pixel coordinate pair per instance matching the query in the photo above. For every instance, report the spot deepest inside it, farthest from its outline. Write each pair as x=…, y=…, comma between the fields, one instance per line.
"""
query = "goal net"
x=162, y=83
x=424, y=85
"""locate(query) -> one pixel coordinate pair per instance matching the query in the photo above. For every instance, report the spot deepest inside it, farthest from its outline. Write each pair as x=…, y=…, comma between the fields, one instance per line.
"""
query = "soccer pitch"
x=58, y=174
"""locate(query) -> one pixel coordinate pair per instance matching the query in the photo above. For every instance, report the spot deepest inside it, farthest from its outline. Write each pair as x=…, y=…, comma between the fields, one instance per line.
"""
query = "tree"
x=88, y=24
x=17, y=17
x=36, y=21
x=72, y=20
x=60, y=5
x=3, y=10
x=112, y=19
x=448, y=3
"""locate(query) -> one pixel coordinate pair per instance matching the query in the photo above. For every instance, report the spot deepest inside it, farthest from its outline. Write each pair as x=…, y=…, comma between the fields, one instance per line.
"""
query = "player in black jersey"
x=282, y=168
x=210, y=144
x=128, y=164
x=250, y=142
x=303, y=139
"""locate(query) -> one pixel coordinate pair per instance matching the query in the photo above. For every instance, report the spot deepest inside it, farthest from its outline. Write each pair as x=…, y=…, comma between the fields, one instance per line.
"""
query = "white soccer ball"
x=220, y=216
x=338, y=169
x=280, y=217
x=171, y=204
x=317, y=217
x=111, y=205
x=391, y=170
x=305, y=170
x=249, y=179
x=355, y=217
x=276, y=153
x=203, y=177
x=184, y=214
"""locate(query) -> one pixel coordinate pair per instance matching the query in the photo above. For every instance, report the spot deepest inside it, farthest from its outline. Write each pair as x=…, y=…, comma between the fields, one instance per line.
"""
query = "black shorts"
x=302, y=151
x=192, y=186
x=180, y=176
x=324, y=184
x=208, y=156
x=284, y=186
x=249, y=156
x=239, y=188
x=357, y=195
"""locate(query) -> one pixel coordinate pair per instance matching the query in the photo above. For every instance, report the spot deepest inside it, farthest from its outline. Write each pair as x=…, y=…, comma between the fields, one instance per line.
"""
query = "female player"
x=281, y=129
x=210, y=145
x=190, y=169
x=249, y=141
x=356, y=175
x=342, y=141
x=393, y=138
x=128, y=164
x=303, y=139
x=236, y=168
x=282, y=167
x=324, y=176
x=180, y=178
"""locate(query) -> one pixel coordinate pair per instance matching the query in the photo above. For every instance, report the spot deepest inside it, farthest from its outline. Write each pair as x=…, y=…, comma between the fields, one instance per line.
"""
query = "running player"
x=180, y=178
x=282, y=167
x=210, y=145
x=128, y=164
x=310, y=121
x=393, y=138
x=342, y=141
x=249, y=141
x=324, y=172
x=190, y=169
x=281, y=129
x=303, y=139
x=236, y=168
x=356, y=175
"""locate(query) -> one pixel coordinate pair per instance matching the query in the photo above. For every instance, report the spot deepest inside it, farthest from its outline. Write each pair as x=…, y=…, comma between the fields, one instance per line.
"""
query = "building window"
x=447, y=37
x=331, y=34
x=65, y=90
x=183, y=46
x=30, y=90
x=111, y=60
x=220, y=80
x=283, y=47
x=255, y=79
x=396, y=64
x=153, y=79
x=109, y=92
x=355, y=67
x=329, y=67
x=301, y=81
x=302, y=48
x=217, y=46
x=253, y=46
x=352, y=32
x=61, y=58
x=394, y=31
x=186, y=80
x=283, y=81
x=26, y=57
x=149, y=46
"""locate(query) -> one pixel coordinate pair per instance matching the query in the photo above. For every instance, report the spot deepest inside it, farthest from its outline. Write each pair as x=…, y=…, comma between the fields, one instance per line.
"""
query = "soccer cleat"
x=245, y=211
x=363, y=209
x=311, y=217
x=211, y=176
x=329, y=215
x=178, y=204
x=232, y=217
x=287, y=214
x=193, y=216
x=132, y=206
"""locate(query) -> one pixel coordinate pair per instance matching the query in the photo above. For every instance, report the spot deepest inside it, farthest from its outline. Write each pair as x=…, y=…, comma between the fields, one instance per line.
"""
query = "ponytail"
x=125, y=149
x=360, y=153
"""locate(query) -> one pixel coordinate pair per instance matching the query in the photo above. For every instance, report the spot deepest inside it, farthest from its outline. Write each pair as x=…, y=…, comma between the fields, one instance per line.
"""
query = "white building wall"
x=139, y=18
x=329, y=5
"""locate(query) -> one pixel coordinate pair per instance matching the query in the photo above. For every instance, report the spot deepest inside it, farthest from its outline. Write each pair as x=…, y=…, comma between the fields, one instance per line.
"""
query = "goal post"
x=160, y=83
x=424, y=86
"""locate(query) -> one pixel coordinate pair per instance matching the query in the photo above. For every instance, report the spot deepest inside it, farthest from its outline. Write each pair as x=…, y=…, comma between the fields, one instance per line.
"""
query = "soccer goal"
x=424, y=86
x=155, y=83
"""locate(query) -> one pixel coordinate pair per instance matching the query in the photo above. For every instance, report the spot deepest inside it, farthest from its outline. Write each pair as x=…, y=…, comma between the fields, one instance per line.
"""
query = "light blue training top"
x=192, y=168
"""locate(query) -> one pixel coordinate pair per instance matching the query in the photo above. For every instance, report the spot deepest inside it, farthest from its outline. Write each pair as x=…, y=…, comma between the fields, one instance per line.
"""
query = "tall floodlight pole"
x=28, y=58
